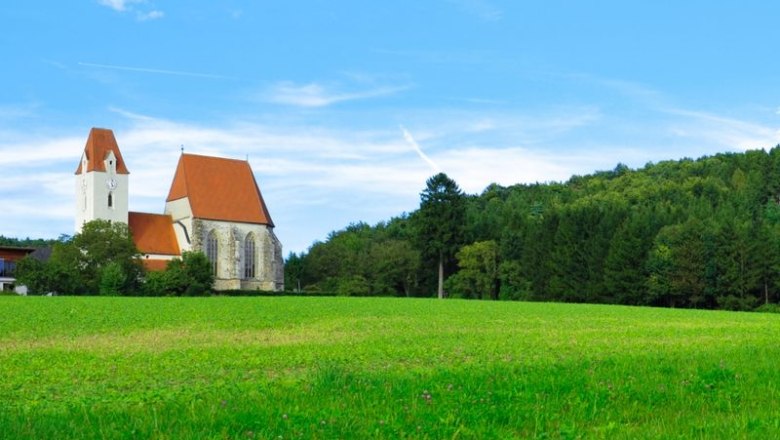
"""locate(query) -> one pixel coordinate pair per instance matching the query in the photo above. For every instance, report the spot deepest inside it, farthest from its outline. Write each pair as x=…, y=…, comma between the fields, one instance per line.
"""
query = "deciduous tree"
x=478, y=276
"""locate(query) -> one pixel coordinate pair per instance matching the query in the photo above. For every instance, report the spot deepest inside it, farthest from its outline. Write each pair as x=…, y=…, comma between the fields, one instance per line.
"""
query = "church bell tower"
x=101, y=180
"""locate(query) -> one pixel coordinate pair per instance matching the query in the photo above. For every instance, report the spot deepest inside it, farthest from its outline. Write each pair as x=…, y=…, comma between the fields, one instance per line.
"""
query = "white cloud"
x=474, y=168
x=665, y=121
x=483, y=9
x=318, y=177
x=142, y=8
x=331, y=174
x=118, y=5
x=726, y=132
x=152, y=70
x=19, y=154
x=413, y=143
x=151, y=15
x=318, y=95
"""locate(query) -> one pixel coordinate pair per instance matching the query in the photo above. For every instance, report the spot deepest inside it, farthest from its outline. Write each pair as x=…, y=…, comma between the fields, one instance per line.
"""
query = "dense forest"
x=690, y=233
x=29, y=242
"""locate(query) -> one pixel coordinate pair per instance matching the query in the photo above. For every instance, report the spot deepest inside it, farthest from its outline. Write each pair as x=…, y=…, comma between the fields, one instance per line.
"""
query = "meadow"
x=296, y=367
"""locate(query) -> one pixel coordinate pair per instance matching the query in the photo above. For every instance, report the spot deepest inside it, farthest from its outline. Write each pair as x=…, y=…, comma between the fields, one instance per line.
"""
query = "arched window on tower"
x=212, y=251
x=110, y=200
x=249, y=256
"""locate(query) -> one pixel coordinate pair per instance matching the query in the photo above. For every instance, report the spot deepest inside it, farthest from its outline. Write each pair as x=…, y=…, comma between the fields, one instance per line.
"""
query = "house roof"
x=13, y=253
x=219, y=189
x=153, y=233
x=27, y=249
x=99, y=143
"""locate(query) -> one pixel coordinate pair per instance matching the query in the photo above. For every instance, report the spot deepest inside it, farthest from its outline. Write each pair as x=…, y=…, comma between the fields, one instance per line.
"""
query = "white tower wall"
x=92, y=194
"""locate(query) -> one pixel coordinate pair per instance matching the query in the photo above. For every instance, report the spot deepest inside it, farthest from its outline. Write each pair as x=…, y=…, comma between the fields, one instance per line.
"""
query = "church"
x=214, y=206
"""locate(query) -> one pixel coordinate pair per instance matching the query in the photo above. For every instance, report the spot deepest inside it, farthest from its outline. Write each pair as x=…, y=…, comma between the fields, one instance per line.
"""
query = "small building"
x=9, y=256
x=214, y=206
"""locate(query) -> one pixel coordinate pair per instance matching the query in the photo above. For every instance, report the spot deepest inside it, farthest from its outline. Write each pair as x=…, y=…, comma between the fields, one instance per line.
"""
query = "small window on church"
x=110, y=200
x=212, y=251
x=249, y=256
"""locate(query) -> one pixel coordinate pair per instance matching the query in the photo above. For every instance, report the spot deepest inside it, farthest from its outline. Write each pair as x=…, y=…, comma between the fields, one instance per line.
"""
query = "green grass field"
x=292, y=367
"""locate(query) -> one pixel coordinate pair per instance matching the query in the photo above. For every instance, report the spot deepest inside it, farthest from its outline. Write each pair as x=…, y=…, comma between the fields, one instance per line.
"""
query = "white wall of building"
x=181, y=213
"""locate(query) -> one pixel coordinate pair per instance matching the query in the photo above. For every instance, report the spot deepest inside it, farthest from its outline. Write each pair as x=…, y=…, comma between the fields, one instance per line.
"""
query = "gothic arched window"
x=249, y=256
x=212, y=250
x=110, y=200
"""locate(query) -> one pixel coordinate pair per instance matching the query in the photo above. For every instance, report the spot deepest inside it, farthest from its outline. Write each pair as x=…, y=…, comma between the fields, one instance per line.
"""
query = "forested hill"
x=28, y=242
x=689, y=233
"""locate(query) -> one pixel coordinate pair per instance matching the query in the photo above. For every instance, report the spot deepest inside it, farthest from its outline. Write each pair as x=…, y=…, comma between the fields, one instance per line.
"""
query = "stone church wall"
x=269, y=264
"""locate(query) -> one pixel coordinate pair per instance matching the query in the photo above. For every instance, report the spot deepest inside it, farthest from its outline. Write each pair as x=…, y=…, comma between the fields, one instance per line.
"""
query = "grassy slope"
x=381, y=368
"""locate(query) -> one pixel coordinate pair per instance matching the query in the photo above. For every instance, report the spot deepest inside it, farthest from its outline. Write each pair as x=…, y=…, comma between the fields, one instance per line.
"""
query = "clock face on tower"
x=111, y=184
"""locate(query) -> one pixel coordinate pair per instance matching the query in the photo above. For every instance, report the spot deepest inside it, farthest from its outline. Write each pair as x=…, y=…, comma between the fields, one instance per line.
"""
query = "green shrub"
x=735, y=303
x=768, y=308
x=516, y=293
x=355, y=285
x=112, y=279
x=196, y=289
x=189, y=275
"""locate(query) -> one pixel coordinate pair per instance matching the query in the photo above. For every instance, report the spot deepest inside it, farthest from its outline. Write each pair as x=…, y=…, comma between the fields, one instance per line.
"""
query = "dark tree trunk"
x=441, y=276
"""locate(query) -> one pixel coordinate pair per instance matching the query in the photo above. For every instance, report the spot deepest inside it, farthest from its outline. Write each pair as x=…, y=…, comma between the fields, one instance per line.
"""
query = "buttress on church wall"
x=231, y=249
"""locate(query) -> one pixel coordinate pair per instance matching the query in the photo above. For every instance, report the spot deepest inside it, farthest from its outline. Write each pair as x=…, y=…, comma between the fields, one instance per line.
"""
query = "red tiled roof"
x=14, y=253
x=99, y=143
x=153, y=233
x=155, y=265
x=219, y=189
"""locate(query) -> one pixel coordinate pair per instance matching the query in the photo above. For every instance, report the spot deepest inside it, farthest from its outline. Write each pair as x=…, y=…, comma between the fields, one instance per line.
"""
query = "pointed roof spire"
x=100, y=142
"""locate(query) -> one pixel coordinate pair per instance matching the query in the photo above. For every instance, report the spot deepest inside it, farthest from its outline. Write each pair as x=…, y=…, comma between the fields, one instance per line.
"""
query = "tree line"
x=102, y=259
x=699, y=233
x=28, y=242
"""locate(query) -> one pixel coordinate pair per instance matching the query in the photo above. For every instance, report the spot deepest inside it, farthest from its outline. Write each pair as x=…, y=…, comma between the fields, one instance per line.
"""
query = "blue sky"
x=345, y=108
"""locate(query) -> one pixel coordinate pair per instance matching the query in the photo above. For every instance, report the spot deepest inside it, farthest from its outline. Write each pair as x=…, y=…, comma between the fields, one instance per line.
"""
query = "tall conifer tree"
x=441, y=223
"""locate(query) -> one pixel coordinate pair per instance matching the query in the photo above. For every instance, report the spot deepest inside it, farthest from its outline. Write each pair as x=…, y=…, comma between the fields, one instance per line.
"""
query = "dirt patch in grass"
x=161, y=340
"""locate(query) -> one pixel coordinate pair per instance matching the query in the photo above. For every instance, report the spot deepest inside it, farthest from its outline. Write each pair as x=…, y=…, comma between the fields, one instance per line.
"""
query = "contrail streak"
x=410, y=140
x=160, y=71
